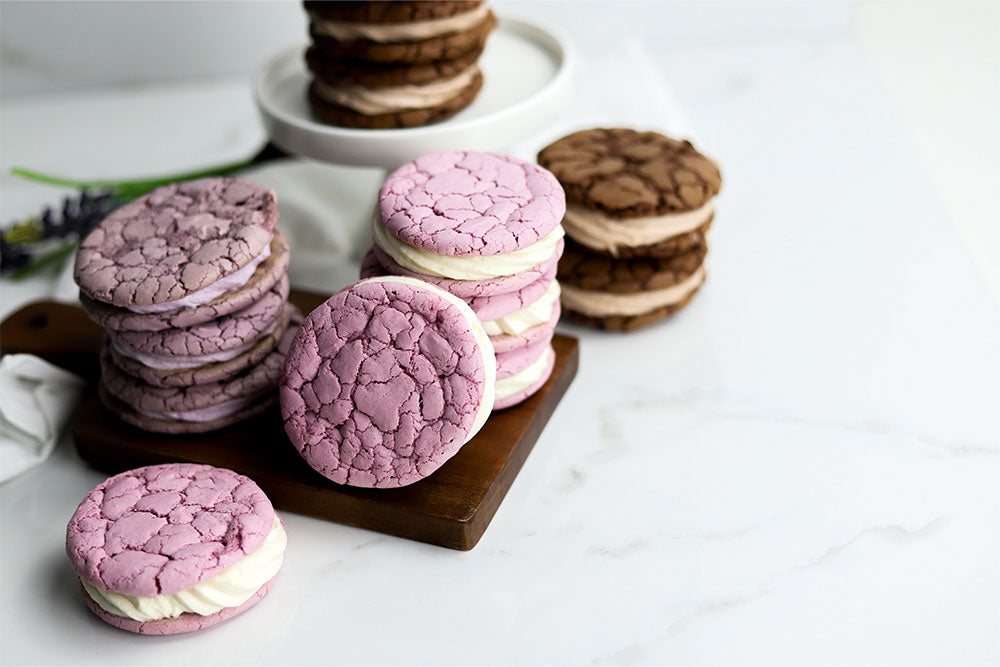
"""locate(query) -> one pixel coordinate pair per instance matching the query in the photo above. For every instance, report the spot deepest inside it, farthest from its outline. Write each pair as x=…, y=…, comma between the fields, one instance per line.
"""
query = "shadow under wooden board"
x=451, y=508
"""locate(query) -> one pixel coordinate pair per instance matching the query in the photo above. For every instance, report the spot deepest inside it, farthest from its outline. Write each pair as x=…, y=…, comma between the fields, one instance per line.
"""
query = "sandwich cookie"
x=399, y=32
x=469, y=216
x=180, y=246
x=626, y=294
x=515, y=388
x=193, y=409
x=212, y=371
x=500, y=312
x=633, y=194
x=190, y=312
x=174, y=548
x=219, y=340
x=386, y=381
x=376, y=260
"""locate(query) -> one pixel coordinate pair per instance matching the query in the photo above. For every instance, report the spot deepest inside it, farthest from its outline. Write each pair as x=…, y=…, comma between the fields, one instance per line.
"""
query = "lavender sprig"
x=19, y=243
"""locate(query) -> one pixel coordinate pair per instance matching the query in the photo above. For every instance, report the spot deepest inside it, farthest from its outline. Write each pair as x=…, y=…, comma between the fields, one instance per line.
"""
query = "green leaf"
x=131, y=189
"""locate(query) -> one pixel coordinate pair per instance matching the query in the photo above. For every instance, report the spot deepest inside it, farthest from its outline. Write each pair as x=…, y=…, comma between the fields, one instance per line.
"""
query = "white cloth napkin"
x=36, y=399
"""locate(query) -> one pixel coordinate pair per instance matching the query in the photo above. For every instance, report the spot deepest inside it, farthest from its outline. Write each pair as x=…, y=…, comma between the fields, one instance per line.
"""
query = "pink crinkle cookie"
x=263, y=279
x=386, y=381
x=490, y=305
x=236, y=330
x=469, y=203
x=160, y=531
x=176, y=240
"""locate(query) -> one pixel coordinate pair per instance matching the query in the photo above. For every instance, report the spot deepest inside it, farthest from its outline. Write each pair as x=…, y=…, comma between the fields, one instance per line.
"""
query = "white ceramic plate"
x=526, y=71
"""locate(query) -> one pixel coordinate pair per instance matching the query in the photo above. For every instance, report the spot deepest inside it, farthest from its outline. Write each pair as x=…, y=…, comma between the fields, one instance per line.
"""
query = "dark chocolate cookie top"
x=586, y=269
x=388, y=11
x=176, y=240
x=628, y=174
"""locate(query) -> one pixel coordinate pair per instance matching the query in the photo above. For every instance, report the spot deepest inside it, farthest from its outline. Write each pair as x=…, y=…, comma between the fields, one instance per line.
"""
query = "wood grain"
x=451, y=508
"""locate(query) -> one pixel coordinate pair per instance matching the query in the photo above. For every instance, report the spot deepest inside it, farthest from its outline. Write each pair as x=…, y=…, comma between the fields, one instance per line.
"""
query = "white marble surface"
x=799, y=468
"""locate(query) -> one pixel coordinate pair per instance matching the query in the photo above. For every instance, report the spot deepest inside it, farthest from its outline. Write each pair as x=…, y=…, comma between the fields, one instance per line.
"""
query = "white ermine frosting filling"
x=170, y=362
x=535, y=313
x=601, y=232
x=412, y=31
x=233, y=281
x=605, y=304
x=374, y=101
x=465, y=267
x=485, y=345
x=531, y=374
x=230, y=588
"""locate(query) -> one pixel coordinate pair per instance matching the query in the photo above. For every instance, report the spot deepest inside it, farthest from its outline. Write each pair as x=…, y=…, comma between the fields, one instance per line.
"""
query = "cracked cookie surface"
x=268, y=273
x=144, y=397
x=470, y=203
x=174, y=241
x=163, y=529
x=625, y=173
x=382, y=384
x=226, y=333
x=212, y=372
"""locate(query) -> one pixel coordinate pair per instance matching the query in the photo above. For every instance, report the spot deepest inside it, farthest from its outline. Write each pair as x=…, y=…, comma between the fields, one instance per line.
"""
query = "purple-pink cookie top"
x=469, y=203
x=176, y=240
x=382, y=384
x=162, y=529
x=377, y=262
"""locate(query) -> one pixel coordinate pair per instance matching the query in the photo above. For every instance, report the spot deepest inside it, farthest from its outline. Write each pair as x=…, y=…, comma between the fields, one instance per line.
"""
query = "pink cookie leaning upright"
x=386, y=381
x=174, y=548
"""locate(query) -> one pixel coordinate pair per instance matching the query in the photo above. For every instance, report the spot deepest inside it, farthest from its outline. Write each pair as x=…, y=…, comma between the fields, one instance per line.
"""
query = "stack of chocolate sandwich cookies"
x=638, y=207
x=485, y=228
x=395, y=64
x=189, y=282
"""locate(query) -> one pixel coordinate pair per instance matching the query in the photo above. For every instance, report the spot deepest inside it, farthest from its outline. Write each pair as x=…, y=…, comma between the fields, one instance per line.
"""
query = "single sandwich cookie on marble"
x=469, y=216
x=246, y=286
x=215, y=341
x=386, y=381
x=399, y=32
x=633, y=194
x=174, y=548
x=179, y=246
x=626, y=294
x=213, y=371
x=198, y=408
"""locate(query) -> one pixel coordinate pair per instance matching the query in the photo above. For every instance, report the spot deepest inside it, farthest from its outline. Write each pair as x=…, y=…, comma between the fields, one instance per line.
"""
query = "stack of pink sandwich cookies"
x=190, y=284
x=486, y=228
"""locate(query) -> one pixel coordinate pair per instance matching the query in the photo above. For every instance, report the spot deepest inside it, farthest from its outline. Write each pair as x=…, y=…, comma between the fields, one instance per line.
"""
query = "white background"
x=799, y=468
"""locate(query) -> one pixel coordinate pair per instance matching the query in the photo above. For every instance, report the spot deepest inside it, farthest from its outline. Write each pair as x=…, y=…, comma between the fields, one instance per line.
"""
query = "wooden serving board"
x=451, y=508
